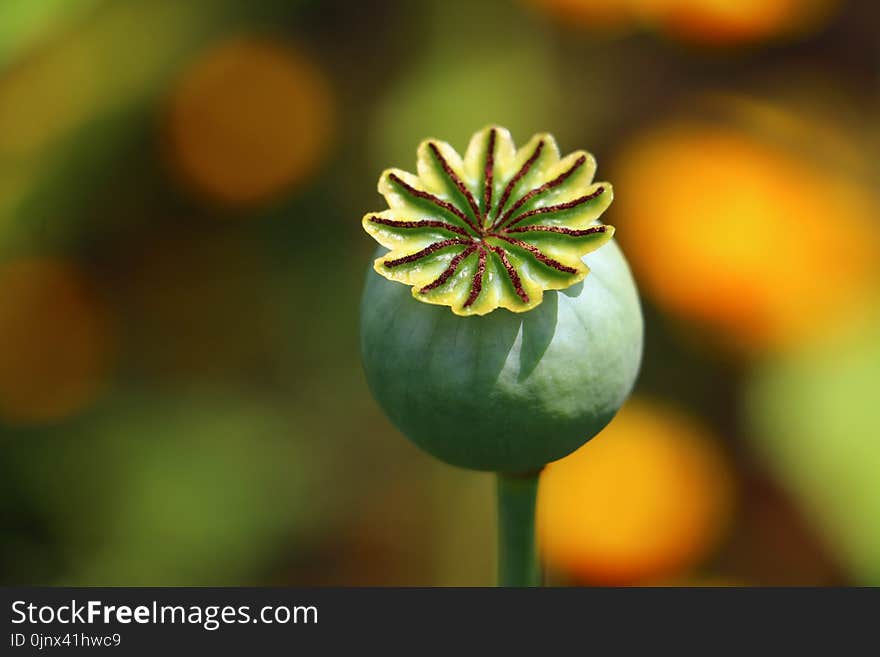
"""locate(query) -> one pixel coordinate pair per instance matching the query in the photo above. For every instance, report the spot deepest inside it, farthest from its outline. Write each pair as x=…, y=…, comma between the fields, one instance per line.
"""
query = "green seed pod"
x=505, y=229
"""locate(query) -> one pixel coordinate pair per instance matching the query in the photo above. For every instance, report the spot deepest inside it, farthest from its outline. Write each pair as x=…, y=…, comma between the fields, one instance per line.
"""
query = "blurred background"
x=181, y=258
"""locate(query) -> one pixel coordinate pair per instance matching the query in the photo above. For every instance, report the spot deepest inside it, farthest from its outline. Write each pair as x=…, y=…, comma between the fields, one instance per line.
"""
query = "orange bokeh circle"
x=703, y=22
x=55, y=342
x=248, y=120
x=732, y=22
x=645, y=500
x=762, y=245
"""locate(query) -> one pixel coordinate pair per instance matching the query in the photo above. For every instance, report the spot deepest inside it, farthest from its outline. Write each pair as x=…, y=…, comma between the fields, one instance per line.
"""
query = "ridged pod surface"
x=505, y=229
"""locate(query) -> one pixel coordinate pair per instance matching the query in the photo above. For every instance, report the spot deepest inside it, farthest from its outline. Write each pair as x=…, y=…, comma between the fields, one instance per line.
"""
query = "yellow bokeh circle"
x=55, y=341
x=645, y=500
x=249, y=120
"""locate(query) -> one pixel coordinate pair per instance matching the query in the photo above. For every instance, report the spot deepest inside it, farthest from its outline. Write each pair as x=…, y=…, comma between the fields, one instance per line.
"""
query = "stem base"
x=517, y=547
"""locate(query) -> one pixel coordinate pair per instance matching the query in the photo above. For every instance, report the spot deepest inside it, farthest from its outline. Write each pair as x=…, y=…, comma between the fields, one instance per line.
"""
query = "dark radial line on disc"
x=450, y=269
x=459, y=184
x=511, y=273
x=547, y=186
x=477, y=283
x=488, y=174
x=538, y=254
x=523, y=170
x=428, y=250
x=440, y=203
x=547, y=209
x=562, y=230
x=421, y=223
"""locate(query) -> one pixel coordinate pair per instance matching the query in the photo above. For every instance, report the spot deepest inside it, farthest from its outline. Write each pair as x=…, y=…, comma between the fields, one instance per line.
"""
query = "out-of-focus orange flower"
x=705, y=22
x=730, y=22
x=764, y=245
x=54, y=342
x=645, y=500
x=248, y=120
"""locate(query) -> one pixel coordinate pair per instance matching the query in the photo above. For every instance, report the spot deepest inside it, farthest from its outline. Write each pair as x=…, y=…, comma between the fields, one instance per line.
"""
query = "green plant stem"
x=517, y=549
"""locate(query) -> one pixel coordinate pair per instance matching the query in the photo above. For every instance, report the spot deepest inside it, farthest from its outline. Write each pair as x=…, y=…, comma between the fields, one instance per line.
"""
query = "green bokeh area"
x=817, y=425
x=233, y=439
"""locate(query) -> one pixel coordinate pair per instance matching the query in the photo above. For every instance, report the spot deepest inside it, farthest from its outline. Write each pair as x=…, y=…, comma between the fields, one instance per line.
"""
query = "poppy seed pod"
x=521, y=335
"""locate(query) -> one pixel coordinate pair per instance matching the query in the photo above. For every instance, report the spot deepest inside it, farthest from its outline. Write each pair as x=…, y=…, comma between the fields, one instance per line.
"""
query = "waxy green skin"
x=507, y=392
